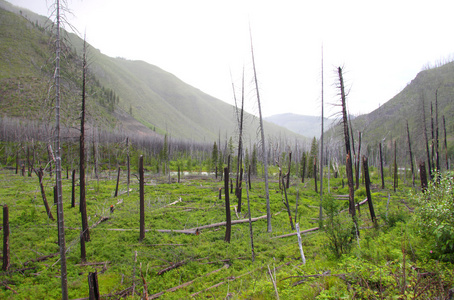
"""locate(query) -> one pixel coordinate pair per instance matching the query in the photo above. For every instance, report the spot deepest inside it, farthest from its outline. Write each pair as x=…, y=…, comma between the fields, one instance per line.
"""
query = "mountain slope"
x=388, y=123
x=157, y=99
x=308, y=126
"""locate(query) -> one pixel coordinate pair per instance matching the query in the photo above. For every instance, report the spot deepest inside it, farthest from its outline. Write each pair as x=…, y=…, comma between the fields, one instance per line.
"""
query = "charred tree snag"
x=368, y=193
x=315, y=174
x=118, y=181
x=73, y=188
x=6, y=259
x=142, y=199
x=128, y=166
x=358, y=159
x=262, y=133
x=437, y=155
x=43, y=194
x=228, y=225
x=411, y=156
x=287, y=205
x=349, y=168
x=347, y=146
x=381, y=168
x=445, y=144
x=425, y=134
x=396, y=179
x=423, y=175
x=288, y=171
x=93, y=286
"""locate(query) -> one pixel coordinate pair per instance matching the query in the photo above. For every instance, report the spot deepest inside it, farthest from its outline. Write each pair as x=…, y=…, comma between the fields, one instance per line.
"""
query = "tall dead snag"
x=315, y=174
x=73, y=188
x=320, y=214
x=118, y=182
x=61, y=226
x=289, y=168
x=142, y=199
x=396, y=179
x=43, y=194
x=349, y=169
x=381, y=167
x=262, y=132
x=411, y=156
x=358, y=159
x=423, y=175
x=6, y=259
x=128, y=166
x=368, y=193
x=445, y=144
x=437, y=155
x=82, y=189
x=425, y=132
x=251, y=235
x=228, y=225
x=239, y=168
x=287, y=206
x=303, y=166
x=93, y=286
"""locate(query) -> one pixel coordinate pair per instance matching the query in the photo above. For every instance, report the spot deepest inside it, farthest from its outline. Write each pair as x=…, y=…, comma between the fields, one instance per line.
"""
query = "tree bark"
x=6, y=258
x=43, y=194
x=93, y=286
x=396, y=179
x=262, y=132
x=142, y=199
x=228, y=227
x=368, y=193
x=73, y=188
x=411, y=156
x=288, y=206
x=118, y=182
x=423, y=175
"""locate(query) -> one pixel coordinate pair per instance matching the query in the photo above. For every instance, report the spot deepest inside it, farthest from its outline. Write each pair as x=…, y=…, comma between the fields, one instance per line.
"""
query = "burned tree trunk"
x=288, y=171
x=142, y=199
x=423, y=175
x=128, y=165
x=411, y=156
x=118, y=182
x=425, y=134
x=287, y=206
x=358, y=159
x=73, y=188
x=349, y=168
x=93, y=286
x=228, y=225
x=43, y=194
x=315, y=174
x=82, y=199
x=445, y=144
x=6, y=258
x=396, y=179
x=368, y=193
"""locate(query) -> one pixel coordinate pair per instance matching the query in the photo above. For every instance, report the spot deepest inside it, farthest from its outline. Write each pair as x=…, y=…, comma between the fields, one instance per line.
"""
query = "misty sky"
x=381, y=45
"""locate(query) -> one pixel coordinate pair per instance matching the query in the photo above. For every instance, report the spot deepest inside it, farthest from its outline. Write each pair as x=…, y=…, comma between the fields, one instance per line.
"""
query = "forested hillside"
x=125, y=95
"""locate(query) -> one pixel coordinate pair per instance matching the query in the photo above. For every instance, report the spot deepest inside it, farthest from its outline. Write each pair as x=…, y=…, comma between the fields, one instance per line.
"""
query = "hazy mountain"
x=147, y=98
x=388, y=123
x=308, y=126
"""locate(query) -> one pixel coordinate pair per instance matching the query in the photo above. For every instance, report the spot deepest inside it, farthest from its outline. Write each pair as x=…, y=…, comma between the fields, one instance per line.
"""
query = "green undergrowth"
x=383, y=262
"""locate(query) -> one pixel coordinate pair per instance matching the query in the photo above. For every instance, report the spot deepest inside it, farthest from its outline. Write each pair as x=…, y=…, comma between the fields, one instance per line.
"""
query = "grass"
x=372, y=269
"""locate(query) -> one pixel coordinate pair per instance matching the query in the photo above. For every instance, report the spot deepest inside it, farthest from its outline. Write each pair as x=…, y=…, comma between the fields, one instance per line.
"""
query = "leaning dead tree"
x=411, y=156
x=262, y=132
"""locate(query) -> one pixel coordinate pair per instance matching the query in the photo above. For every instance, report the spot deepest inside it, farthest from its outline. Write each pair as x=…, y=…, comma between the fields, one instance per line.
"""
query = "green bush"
x=339, y=228
x=434, y=216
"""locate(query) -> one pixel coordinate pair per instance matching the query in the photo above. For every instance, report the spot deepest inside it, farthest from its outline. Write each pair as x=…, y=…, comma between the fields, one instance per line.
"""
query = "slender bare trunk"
x=61, y=226
x=262, y=132
x=411, y=156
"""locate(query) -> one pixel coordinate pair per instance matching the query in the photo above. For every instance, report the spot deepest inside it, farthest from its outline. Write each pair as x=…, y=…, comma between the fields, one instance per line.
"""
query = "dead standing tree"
x=82, y=200
x=262, y=132
x=349, y=168
x=60, y=217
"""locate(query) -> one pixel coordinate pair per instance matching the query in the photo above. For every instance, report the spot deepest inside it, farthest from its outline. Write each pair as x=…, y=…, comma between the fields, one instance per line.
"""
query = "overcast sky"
x=381, y=45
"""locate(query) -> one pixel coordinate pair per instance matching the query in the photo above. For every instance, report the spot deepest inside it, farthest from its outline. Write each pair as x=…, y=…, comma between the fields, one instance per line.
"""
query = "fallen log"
x=233, y=223
x=157, y=295
x=294, y=233
x=174, y=266
x=185, y=231
x=42, y=258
